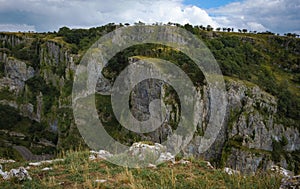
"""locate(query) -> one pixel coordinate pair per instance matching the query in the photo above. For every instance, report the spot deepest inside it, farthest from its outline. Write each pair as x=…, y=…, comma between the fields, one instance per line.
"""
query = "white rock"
x=209, y=165
x=143, y=151
x=35, y=164
x=282, y=171
x=102, y=154
x=92, y=157
x=100, y=180
x=47, y=169
x=20, y=173
x=164, y=157
x=230, y=171
x=7, y=161
x=45, y=162
x=184, y=162
x=3, y=174
x=151, y=166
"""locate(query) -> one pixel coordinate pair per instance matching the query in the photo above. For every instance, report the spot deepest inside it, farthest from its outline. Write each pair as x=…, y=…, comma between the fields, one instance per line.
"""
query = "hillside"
x=262, y=75
x=78, y=171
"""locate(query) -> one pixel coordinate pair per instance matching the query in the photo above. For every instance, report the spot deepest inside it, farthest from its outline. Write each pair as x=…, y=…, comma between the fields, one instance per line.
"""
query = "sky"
x=278, y=16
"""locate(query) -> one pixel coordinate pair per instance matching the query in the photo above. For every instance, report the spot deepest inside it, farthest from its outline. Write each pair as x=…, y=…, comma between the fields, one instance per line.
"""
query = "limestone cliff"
x=37, y=91
x=251, y=138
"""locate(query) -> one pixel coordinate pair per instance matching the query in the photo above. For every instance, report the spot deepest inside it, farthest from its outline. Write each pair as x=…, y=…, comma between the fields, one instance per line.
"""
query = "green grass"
x=76, y=171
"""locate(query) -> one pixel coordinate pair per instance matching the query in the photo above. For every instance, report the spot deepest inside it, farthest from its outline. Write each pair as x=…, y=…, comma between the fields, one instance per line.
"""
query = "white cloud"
x=48, y=15
x=261, y=15
x=52, y=14
x=16, y=27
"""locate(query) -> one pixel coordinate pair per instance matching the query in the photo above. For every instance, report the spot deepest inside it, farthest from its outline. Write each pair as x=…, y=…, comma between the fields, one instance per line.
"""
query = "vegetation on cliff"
x=269, y=61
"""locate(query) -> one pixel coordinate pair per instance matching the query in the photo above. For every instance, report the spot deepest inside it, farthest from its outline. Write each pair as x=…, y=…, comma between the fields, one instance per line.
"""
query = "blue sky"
x=206, y=4
x=279, y=16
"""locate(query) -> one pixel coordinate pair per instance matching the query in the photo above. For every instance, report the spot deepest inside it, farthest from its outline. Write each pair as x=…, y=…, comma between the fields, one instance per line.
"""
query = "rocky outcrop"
x=141, y=153
x=39, y=86
x=20, y=174
x=16, y=73
x=250, y=138
x=245, y=141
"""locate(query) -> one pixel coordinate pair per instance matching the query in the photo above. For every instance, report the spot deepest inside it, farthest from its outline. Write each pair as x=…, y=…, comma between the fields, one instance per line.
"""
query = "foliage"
x=2, y=69
x=36, y=85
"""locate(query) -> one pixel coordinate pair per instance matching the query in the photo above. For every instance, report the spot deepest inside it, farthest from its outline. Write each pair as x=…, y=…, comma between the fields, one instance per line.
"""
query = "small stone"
x=102, y=154
x=47, y=169
x=152, y=166
x=184, y=162
x=230, y=171
x=209, y=165
x=101, y=181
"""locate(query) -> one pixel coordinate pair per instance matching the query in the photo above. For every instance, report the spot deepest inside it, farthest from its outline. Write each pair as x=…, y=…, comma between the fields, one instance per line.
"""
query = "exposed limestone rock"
x=16, y=73
x=250, y=123
x=290, y=183
x=184, y=162
x=143, y=151
x=101, y=180
x=21, y=174
x=7, y=161
x=245, y=161
x=165, y=157
x=47, y=169
x=230, y=171
x=102, y=154
x=45, y=162
x=281, y=171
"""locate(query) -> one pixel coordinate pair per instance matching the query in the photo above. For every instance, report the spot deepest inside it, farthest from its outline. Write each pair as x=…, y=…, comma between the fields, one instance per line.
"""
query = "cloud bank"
x=260, y=15
x=51, y=14
x=48, y=15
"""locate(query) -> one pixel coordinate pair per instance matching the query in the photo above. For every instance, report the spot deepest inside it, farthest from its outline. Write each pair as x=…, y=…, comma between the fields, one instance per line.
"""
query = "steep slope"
x=262, y=79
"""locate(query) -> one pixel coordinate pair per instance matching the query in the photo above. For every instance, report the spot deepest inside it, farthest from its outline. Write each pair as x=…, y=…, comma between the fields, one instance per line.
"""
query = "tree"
x=63, y=31
x=228, y=29
x=218, y=29
x=209, y=28
x=189, y=28
x=245, y=30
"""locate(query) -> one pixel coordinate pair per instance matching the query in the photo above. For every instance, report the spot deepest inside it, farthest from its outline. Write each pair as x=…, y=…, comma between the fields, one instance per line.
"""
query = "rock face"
x=36, y=81
x=248, y=136
x=16, y=73
x=251, y=137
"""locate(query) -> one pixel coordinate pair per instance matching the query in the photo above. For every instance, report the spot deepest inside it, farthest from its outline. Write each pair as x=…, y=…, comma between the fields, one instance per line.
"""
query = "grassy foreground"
x=77, y=171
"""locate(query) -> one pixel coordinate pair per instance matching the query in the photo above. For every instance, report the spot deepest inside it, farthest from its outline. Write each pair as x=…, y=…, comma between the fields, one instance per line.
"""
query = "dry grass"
x=78, y=172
